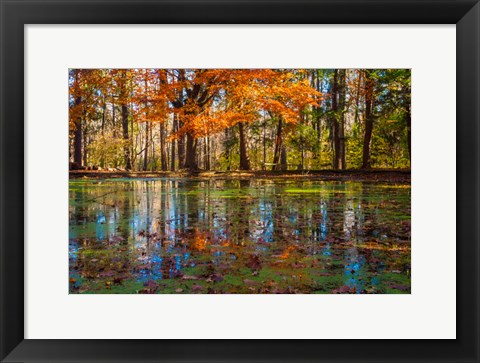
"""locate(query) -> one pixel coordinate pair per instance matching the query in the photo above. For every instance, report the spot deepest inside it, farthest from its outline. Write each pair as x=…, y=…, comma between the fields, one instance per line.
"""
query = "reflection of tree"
x=277, y=206
x=155, y=228
x=353, y=262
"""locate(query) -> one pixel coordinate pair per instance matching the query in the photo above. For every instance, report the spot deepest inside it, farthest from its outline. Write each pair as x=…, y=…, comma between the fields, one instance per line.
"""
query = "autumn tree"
x=83, y=103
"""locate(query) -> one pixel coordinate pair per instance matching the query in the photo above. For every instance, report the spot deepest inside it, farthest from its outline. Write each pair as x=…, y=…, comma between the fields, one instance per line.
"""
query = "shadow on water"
x=238, y=236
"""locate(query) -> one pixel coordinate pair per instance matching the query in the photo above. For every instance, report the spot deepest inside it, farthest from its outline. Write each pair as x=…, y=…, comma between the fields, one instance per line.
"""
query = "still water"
x=238, y=236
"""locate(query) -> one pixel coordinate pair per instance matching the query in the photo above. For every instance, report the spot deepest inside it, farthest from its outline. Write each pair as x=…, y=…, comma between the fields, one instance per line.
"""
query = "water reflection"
x=297, y=236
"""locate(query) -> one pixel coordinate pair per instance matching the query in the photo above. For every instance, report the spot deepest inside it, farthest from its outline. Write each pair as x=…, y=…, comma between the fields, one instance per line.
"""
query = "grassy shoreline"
x=389, y=175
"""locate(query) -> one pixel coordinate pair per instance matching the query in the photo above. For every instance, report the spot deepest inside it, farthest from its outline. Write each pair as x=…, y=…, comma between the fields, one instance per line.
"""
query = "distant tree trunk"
x=206, y=153
x=114, y=125
x=227, y=148
x=283, y=157
x=368, y=119
x=174, y=129
x=244, y=160
x=335, y=136
x=104, y=108
x=409, y=129
x=181, y=148
x=163, y=150
x=200, y=154
x=211, y=152
x=341, y=119
x=162, y=78
x=152, y=151
x=126, y=139
x=85, y=146
x=302, y=166
x=126, y=147
x=145, y=152
x=264, y=143
x=278, y=145
x=314, y=117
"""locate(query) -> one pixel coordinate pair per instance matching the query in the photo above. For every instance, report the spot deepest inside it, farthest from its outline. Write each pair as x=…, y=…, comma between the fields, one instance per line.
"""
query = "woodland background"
x=239, y=119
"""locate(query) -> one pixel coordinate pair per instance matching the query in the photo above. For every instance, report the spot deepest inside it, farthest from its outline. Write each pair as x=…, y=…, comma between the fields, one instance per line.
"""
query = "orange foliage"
x=246, y=92
x=206, y=101
x=199, y=241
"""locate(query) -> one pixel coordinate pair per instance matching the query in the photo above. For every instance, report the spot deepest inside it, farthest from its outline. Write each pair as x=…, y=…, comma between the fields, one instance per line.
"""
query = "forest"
x=166, y=120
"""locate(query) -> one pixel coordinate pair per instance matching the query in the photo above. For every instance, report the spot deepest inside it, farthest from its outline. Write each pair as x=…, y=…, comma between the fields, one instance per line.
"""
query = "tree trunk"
x=191, y=153
x=264, y=143
x=77, y=136
x=244, y=160
x=357, y=100
x=338, y=110
x=85, y=146
x=368, y=119
x=77, y=143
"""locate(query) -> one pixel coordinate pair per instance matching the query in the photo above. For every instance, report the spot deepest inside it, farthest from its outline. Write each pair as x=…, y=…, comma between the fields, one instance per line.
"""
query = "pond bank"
x=389, y=175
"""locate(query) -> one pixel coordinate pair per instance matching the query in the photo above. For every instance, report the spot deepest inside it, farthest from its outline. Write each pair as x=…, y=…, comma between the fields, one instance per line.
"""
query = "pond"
x=252, y=236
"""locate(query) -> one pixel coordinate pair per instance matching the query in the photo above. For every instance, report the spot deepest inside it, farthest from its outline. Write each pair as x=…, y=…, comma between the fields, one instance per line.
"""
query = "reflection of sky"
x=73, y=250
x=266, y=218
x=349, y=219
x=323, y=224
x=354, y=271
x=152, y=270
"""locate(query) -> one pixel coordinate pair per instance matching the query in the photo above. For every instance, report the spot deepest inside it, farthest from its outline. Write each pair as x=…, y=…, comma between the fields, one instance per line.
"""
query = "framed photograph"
x=239, y=181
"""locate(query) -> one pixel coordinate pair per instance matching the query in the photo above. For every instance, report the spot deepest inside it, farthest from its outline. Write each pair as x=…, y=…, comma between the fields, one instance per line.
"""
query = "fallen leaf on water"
x=400, y=287
x=186, y=277
x=343, y=290
x=197, y=288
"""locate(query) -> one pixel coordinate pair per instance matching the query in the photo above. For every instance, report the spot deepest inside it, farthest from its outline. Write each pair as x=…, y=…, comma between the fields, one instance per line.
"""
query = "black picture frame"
x=15, y=14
